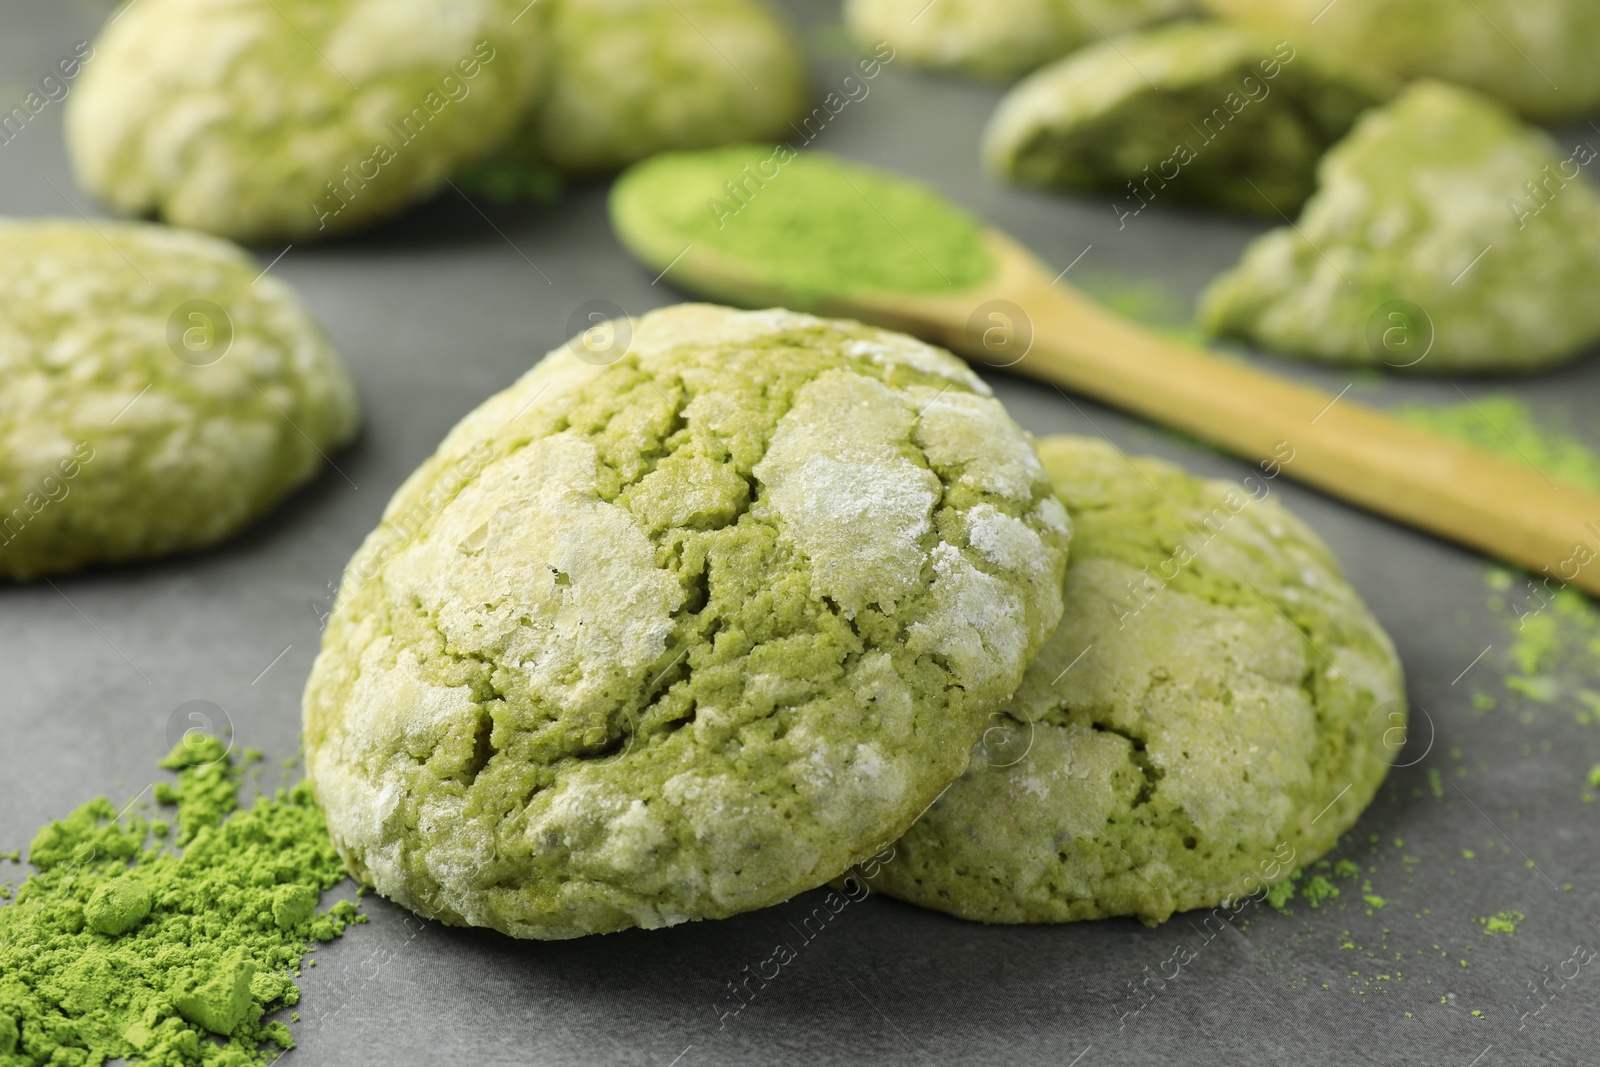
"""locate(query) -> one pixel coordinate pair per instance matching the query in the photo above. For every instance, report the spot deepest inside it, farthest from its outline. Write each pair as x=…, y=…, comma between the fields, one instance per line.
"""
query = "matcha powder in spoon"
x=138, y=940
x=794, y=227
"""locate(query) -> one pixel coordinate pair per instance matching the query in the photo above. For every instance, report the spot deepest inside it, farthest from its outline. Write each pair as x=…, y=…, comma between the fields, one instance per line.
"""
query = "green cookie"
x=155, y=394
x=701, y=611
x=1216, y=708
x=1196, y=113
x=1446, y=236
x=275, y=120
x=1536, y=55
x=998, y=39
x=630, y=78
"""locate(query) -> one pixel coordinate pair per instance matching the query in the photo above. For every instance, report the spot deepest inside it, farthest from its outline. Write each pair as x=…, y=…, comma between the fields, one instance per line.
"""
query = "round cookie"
x=1194, y=113
x=630, y=78
x=1215, y=710
x=295, y=119
x=1445, y=236
x=998, y=39
x=1536, y=55
x=155, y=394
x=684, y=634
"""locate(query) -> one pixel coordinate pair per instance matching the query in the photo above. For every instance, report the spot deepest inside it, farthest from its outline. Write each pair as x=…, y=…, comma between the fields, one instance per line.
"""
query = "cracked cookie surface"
x=113, y=446
x=1445, y=236
x=1214, y=710
x=295, y=119
x=682, y=635
x=1238, y=121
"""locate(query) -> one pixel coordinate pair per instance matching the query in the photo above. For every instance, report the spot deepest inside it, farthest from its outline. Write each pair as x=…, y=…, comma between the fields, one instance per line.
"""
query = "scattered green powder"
x=1594, y=776
x=803, y=222
x=1144, y=301
x=1503, y=923
x=121, y=948
x=1280, y=895
x=1346, y=869
x=1317, y=889
x=1374, y=900
x=1555, y=631
x=1507, y=427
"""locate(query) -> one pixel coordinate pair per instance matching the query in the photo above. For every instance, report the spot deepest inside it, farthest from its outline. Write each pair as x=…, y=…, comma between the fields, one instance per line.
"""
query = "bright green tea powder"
x=1555, y=631
x=806, y=222
x=122, y=946
x=1505, y=922
x=1506, y=426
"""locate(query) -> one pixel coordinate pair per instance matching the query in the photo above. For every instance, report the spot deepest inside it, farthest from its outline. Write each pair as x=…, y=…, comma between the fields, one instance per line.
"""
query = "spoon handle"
x=1457, y=492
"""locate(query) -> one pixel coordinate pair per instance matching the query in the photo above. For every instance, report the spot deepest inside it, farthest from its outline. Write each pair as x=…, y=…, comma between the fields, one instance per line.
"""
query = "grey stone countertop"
x=442, y=307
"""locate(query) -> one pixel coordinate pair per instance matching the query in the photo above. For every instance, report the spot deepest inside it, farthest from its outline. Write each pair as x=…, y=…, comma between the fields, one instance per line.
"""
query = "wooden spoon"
x=1022, y=321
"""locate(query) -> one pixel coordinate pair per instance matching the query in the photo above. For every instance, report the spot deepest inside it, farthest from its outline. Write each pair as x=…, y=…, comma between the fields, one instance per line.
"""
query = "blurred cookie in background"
x=998, y=40
x=1445, y=236
x=291, y=120
x=159, y=393
x=1536, y=55
x=630, y=78
x=1197, y=113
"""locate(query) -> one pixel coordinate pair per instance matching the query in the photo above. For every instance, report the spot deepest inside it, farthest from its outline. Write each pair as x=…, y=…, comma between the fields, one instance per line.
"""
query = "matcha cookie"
x=1536, y=55
x=1214, y=711
x=998, y=39
x=683, y=634
x=155, y=394
x=1196, y=113
x=630, y=78
x=1446, y=236
x=274, y=120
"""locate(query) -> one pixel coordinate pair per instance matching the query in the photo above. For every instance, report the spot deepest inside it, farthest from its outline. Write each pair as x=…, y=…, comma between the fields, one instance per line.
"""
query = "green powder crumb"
x=1317, y=889
x=1594, y=776
x=807, y=223
x=1477, y=1014
x=1345, y=869
x=1147, y=302
x=1506, y=426
x=1280, y=895
x=119, y=947
x=1374, y=900
x=1555, y=631
x=207, y=789
x=1503, y=923
x=1467, y=853
x=15, y=855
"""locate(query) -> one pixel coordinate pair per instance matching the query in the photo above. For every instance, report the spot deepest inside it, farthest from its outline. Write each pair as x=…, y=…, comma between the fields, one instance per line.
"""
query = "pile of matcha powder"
x=136, y=939
x=807, y=222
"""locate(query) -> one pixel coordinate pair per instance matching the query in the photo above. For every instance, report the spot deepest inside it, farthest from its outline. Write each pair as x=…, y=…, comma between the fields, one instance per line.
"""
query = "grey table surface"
x=439, y=309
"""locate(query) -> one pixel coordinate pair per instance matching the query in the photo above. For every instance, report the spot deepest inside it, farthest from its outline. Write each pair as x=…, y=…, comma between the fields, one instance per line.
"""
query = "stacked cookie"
x=690, y=629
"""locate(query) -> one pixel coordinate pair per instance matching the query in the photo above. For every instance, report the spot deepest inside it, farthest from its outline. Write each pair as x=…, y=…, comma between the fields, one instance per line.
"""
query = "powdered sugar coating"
x=114, y=448
x=710, y=620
